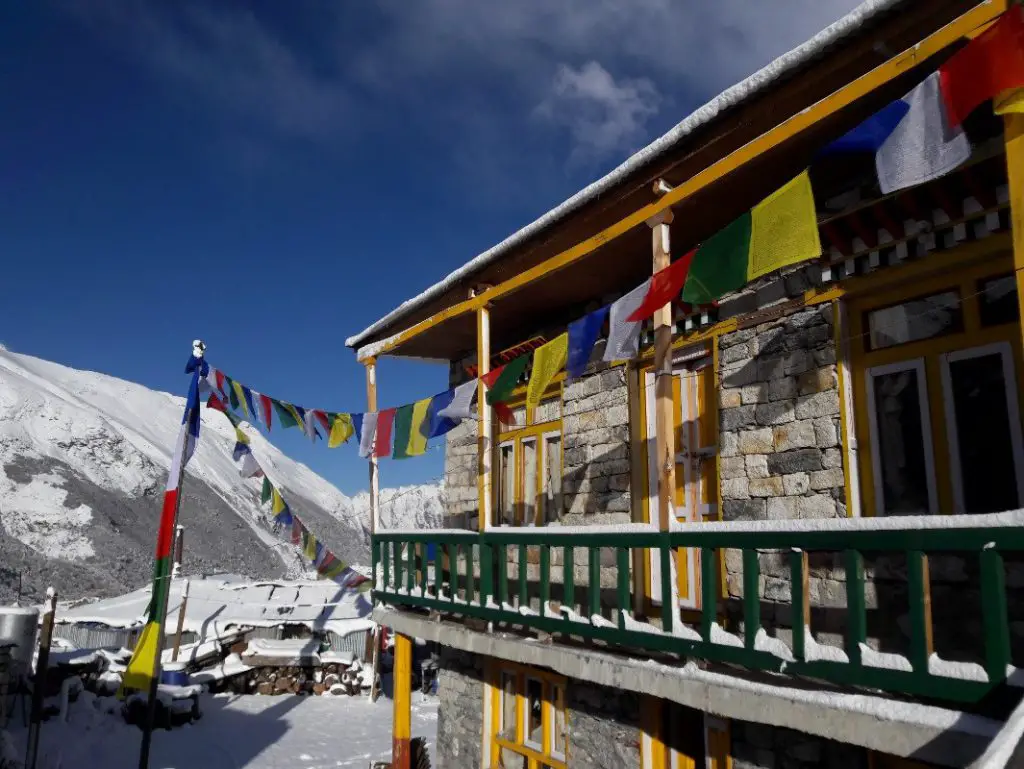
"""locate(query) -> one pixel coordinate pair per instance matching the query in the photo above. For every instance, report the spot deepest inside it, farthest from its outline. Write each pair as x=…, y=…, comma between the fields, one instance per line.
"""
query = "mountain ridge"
x=83, y=464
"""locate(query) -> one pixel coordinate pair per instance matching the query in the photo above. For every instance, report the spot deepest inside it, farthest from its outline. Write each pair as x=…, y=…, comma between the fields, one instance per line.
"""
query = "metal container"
x=18, y=626
x=17, y=647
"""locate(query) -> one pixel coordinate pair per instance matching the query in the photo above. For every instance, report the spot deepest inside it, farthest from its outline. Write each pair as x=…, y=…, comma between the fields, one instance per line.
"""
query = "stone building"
x=820, y=569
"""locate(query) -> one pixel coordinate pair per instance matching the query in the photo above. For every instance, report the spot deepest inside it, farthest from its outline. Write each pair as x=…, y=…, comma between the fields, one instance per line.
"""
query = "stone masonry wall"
x=460, y=468
x=460, y=689
x=758, y=746
x=604, y=727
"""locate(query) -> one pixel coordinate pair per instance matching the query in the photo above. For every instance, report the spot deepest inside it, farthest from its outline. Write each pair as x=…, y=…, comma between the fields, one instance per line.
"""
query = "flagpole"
x=163, y=588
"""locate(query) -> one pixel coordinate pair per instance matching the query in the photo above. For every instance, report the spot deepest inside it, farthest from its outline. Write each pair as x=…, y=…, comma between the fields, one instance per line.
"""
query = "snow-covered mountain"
x=83, y=464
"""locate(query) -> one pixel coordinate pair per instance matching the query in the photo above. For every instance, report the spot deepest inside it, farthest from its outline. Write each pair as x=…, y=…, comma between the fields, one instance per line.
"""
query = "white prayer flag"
x=623, y=336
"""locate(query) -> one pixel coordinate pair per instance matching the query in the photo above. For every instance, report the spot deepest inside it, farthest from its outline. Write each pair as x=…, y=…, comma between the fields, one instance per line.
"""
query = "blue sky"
x=272, y=177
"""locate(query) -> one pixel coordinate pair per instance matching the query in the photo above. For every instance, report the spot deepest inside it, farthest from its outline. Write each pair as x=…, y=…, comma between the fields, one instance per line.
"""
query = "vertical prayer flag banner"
x=870, y=135
x=266, y=491
x=437, y=425
x=503, y=380
x=250, y=405
x=144, y=666
x=238, y=397
x=624, y=335
x=233, y=392
x=419, y=428
x=583, y=335
x=461, y=406
x=341, y=430
x=548, y=360
x=779, y=231
x=265, y=402
x=385, y=425
x=923, y=146
x=403, y=427
x=987, y=67
x=665, y=287
x=367, y=432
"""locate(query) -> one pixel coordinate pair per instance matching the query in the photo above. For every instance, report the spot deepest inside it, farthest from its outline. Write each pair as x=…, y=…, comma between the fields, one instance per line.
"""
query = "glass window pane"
x=552, y=478
x=534, y=703
x=983, y=427
x=506, y=484
x=900, y=444
x=528, y=507
x=518, y=417
x=507, y=728
x=923, y=318
x=998, y=301
x=547, y=411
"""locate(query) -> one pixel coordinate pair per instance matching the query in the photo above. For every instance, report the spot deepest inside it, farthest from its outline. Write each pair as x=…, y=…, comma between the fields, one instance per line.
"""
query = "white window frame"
x=1012, y=409
x=916, y=365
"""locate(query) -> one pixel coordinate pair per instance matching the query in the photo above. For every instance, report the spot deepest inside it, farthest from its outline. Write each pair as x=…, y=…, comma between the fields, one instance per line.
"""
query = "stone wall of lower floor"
x=606, y=729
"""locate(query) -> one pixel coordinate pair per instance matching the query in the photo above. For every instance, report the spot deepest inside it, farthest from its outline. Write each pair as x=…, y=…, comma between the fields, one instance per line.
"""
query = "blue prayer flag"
x=582, y=338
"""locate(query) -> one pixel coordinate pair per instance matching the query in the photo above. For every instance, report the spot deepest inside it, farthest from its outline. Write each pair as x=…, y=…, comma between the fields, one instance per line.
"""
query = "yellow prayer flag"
x=1009, y=101
x=276, y=502
x=310, y=547
x=142, y=666
x=341, y=430
x=241, y=437
x=548, y=360
x=241, y=396
x=419, y=428
x=784, y=228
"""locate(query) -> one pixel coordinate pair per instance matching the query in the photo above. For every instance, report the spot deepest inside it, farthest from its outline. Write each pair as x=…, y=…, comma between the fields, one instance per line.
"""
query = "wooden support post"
x=1013, y=129
x=371, y=406
x=484, y=424
x=401, y=755
x=665, y=449
x=39, y=680
x=181, y=620
x=179, y=550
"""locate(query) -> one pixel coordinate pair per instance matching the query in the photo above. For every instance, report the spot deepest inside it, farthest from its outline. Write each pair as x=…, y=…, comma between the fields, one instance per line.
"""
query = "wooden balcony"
x=507, y=577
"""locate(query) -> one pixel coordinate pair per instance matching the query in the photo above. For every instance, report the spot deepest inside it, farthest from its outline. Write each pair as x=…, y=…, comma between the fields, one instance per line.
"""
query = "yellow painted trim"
x=960, y=270
x=1014, y=137
x=402, y=683
x=898, y=65
x=844, y=428
x=533, y=755
x=650, y=725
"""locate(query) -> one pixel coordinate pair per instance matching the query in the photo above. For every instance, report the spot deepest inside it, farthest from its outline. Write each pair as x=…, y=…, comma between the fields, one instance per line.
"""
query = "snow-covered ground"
x=235, y=732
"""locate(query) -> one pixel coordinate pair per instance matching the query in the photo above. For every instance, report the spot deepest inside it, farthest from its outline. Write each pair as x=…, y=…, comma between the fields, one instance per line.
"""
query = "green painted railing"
x=467, y=574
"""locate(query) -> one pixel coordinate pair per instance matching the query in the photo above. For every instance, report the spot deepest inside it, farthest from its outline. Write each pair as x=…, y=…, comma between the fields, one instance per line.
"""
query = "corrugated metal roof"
x=728, y=99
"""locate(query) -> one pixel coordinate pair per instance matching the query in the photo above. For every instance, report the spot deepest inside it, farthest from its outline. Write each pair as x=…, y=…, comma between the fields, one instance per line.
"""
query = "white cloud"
x=473, y=77
x=601, y=115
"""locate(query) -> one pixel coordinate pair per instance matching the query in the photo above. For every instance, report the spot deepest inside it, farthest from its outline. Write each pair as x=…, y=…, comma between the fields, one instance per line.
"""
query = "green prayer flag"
x=284, y=415
x=720, y=264
x=232, y=395
x=402, y=431
x=266, y=491
x=506, y=382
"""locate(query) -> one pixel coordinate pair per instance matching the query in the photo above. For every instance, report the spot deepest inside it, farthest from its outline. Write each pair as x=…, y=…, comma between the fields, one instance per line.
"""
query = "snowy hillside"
x=83, y=463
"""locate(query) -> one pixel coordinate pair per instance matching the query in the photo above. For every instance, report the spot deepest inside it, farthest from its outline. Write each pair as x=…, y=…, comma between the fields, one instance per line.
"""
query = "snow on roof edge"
x=731, y=97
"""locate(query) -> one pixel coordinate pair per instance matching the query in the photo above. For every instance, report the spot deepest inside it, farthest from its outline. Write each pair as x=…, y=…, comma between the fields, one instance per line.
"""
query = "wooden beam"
x=1014, y=135
x=401, y=752
x=485, y=427
x=665, y=446
x=371, y=406
x=961, y=27
x=181, y=621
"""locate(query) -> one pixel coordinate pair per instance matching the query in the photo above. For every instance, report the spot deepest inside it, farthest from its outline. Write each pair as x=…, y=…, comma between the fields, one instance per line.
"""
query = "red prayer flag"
x=492, y=376
x=505, y=415
x=665, y=286
x=216, y=403
x=382, y=443
x=296, y=530
x=322, y=418
x=988, y=65
x=265, y=400
x=220, y=380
